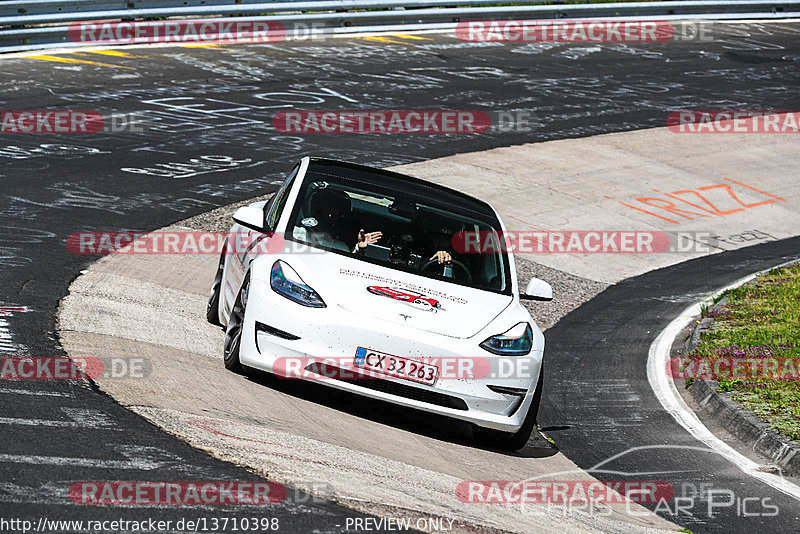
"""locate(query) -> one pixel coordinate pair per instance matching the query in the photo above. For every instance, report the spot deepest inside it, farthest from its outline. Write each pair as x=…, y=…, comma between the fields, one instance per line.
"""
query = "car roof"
x=401, y=182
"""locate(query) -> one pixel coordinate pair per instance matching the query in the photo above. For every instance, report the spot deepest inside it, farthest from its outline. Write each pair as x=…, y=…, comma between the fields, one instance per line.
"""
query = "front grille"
x=519, y=392
x=393, y=388
x=271, y=330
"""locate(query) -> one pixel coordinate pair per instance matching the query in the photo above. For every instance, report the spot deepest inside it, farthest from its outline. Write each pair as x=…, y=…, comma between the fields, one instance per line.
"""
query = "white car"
x=353, y=276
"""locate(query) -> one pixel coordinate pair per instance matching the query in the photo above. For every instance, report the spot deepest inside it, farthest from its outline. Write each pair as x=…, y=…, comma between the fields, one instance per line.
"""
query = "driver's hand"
x=370, y=238
x=442, y=256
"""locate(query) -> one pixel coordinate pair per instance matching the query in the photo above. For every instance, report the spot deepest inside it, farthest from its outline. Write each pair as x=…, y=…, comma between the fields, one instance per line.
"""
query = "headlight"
x=516, y=341
x=286, y=282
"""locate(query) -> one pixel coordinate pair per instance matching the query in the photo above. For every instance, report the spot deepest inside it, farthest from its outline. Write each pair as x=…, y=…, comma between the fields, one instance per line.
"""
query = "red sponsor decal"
x=404, y=295
x=733, y=122
x=385, y=122
x=185, y=31
x=563, y=491
x=565, y=31
x=43, y=121
x=177, y=493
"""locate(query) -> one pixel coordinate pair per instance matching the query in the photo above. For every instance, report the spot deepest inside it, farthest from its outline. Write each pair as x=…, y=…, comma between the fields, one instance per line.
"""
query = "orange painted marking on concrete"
x=671, y=208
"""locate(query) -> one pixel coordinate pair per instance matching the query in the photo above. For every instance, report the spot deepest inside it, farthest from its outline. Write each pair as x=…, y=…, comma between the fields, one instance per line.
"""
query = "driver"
x=330, y=225
x=440, y=241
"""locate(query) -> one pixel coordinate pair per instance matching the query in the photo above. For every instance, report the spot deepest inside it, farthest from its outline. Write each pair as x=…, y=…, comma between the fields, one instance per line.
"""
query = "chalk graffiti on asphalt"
x=195, y=167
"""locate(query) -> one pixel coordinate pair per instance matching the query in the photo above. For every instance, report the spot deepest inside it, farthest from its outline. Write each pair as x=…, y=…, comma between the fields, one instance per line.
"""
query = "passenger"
x=331, y=221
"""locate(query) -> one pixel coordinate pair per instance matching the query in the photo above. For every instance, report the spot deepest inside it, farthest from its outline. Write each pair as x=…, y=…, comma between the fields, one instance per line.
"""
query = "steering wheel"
x=453, y=262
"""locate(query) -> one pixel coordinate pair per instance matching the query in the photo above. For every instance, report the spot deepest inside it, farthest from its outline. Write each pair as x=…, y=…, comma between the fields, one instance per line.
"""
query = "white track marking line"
x=14, y=391
x=78, y=462
x=40, y=422
x=6, y=340
x=79, y=418
x=138, y=457
x=667, y=394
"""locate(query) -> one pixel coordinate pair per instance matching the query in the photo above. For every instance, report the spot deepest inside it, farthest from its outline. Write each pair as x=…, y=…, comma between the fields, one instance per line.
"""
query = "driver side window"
x=276, y=204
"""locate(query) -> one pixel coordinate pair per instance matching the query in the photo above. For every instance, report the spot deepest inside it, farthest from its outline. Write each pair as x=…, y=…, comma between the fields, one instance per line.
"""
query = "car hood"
x=398, y=297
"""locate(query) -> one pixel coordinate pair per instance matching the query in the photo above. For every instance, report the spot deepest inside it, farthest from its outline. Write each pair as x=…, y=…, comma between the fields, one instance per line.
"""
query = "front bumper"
x=333, y=334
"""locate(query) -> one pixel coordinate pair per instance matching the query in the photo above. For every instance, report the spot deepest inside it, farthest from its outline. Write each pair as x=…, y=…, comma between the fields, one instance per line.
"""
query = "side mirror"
x=537, y=290
x=250, y=217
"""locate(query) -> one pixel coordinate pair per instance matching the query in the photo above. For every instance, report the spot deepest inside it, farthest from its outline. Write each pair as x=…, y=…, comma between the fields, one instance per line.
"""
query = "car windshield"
x=402, y=224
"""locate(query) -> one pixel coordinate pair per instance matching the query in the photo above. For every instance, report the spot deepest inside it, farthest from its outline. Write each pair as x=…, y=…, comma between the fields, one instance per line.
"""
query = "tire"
x=514, y=440
x=212, y=310
x=233, y=333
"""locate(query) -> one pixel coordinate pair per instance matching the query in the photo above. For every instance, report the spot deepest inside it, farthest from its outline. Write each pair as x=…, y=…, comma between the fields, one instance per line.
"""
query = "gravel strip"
x=569, y=291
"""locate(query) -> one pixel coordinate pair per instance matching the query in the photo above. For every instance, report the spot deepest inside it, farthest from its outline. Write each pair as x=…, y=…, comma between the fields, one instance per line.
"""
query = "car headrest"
x=327, y=200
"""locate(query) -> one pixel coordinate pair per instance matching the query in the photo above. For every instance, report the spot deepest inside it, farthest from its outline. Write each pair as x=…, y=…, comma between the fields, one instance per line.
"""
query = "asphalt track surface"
x=597, y=392
x=200, y=102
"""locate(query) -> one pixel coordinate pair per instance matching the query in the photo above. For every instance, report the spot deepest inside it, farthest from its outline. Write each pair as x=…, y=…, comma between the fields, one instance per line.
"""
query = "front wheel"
x=212, y=310
x=233, y=334
x=515, y=440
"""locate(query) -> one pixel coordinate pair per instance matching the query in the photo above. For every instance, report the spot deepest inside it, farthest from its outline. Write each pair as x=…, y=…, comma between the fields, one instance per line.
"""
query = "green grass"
x=761, y=319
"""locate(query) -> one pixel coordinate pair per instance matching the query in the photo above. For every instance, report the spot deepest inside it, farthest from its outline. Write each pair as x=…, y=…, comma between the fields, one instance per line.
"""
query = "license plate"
x=396, y=366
